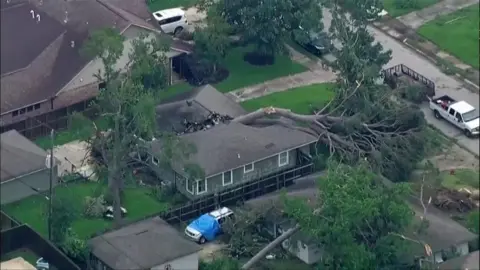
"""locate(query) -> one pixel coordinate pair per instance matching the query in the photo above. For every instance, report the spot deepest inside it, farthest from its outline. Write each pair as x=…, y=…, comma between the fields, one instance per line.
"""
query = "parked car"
x=459, y=113
x=109, y=212
x=208, y=226
x=42, y=264
x=171, y=21
x=316, y=43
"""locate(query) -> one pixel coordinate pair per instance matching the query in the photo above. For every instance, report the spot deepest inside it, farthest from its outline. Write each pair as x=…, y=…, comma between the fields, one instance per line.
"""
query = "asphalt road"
x=445, y=85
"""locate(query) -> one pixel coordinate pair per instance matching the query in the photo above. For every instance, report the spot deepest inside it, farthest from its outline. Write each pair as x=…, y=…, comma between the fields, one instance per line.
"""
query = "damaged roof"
x=194, y=105
x=142, y=245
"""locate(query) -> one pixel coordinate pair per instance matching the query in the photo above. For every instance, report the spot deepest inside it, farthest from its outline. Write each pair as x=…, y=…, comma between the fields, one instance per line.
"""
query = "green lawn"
x=394, y=11
x=462, y=178
x=31, y=210
x=456, y=33
x=298, y=100
x=155, y=5
x=243, y=74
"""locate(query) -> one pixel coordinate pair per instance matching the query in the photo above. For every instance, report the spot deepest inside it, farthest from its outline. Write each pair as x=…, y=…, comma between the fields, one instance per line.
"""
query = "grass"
x=155, y=5
x=456, y=33
x=299, y=100
x=137, y=200
x=243, y=74
x=394, y=11
x=462, y=178
x=85, y=130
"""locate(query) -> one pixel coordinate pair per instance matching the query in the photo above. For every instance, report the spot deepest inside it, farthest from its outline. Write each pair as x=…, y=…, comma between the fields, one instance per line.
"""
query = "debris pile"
x=211, y=120
x=456, y=200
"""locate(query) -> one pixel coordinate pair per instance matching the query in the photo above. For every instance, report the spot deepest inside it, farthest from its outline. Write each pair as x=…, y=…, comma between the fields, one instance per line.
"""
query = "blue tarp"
x=207, y=225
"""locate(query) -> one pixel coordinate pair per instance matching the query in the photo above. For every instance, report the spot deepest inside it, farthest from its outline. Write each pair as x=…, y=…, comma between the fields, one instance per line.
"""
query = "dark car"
x=316, y=43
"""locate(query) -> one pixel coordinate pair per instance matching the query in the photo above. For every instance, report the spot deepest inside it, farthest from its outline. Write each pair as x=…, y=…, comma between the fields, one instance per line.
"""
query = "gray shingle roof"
x=19, y=155
x=142, y=245
x=467, y=262
x=229, y=146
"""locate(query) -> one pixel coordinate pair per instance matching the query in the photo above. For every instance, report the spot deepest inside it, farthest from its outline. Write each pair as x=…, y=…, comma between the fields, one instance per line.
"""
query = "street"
x=445, y=85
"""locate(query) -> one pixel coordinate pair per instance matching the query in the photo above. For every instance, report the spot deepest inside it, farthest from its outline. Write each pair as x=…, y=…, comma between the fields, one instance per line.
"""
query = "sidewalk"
x=418, y=18
x=316, y=74
x=405, y=33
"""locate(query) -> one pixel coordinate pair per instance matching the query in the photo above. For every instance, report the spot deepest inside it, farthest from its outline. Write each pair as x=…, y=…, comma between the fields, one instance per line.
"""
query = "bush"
x=94, y=207
x=75, y=247
x=167, y=194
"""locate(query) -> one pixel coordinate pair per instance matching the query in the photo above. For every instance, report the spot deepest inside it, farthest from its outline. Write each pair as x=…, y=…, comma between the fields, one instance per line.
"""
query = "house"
x=447, y=238
x=23, y=168
x=43, y=74
x=148, y=244
x=22, y=248
x=465, y=262
x=229, y=153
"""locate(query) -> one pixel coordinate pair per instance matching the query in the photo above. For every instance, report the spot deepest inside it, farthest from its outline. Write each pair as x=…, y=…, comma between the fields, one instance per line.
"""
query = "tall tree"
x=212, y=41
x=267, y=24
x=355, y=218
x=126, y=103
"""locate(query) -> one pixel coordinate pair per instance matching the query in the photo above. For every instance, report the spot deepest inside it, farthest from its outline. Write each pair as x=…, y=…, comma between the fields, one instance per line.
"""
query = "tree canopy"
x=354, y=218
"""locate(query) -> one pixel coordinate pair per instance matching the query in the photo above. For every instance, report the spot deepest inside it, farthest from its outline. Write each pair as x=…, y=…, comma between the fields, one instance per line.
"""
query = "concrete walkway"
x=418, y=18
x=316, y=74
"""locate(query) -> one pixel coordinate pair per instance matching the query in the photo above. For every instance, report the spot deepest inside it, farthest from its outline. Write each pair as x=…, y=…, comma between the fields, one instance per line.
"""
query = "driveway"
x=445, y=85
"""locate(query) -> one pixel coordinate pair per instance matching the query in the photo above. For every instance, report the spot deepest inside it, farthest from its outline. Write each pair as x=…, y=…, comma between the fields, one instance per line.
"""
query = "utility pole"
x=50, y=190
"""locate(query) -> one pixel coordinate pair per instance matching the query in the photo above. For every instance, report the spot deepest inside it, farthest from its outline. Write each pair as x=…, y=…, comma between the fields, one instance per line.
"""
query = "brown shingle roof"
x=47, y=53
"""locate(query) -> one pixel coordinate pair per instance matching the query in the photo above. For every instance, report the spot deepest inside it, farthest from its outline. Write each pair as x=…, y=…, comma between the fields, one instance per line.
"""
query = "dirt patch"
x=455, y=157
x=211, y=250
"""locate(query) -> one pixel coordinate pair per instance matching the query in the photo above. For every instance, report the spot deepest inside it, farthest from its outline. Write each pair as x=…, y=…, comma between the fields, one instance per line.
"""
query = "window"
x=22, y=111
x=15, y=113
x=154, y=160
x=201, y=186
x=459, y=117
x=227, y=178
x=283, y=159
x=189, y=186
x=102, y=86
x=451, y=112
x=37, y=106
x=29, y=108
x=248, y=168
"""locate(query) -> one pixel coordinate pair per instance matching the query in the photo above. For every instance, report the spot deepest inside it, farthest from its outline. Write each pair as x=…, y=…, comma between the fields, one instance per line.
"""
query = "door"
x=459, y=120
x=451, y=117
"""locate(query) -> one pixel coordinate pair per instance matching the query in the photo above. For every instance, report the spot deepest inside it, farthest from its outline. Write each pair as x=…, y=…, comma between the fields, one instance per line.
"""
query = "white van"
x=171, y=21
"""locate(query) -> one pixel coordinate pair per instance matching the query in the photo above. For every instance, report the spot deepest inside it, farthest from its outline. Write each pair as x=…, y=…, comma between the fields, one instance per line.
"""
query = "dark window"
x=29, y=108
x=22, y=111
x=459, y=117
x=451, y=112
x=14, y=113
x=37, y=106
x=170, y=20
x=102, y=85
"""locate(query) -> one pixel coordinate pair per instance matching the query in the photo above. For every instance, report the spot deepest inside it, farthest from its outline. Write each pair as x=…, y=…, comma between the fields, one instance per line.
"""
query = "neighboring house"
x=148, y=244
x=23, y=168
x=24, y=246
x=42, y=70
x=229, y=153
x=446, y=237
x=466, y=262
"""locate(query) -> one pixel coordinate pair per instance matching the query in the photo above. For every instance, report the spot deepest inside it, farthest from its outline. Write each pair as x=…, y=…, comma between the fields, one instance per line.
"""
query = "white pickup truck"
x=458, y=113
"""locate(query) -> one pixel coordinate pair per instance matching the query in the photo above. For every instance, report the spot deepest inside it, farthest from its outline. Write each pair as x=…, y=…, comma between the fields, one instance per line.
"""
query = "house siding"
x=20, y=188
x=187, y=262
x=261, y=168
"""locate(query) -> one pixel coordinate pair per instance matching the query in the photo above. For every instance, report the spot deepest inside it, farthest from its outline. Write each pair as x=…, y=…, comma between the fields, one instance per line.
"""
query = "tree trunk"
x=262, y=253
x=114, y=177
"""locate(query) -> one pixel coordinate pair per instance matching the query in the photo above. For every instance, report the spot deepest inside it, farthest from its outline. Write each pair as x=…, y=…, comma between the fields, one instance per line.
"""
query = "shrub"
x=415, y=94
x=94, y=207
x=185, y=35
